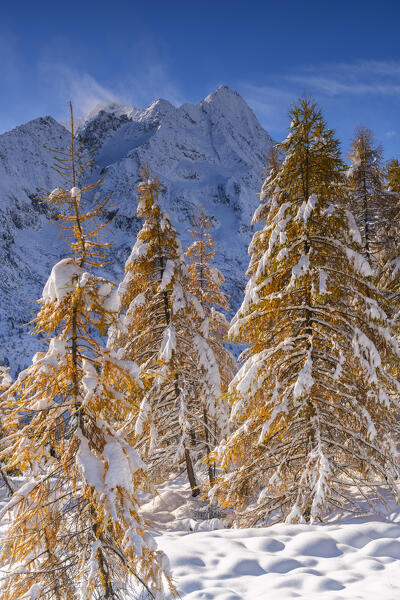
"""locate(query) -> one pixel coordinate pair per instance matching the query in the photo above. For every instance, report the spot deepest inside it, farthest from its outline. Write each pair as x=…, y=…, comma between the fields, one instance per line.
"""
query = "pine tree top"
x=364, y=149
x=75, y=207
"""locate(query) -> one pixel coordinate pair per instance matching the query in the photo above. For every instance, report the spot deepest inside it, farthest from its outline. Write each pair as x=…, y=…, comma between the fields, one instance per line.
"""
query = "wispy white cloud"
x=66, y=83
x=335, y=86
x=366, y=67
x=147, y=80
x=381, y=78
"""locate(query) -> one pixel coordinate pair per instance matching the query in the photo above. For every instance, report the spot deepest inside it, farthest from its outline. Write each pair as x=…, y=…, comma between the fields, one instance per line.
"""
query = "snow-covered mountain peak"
x=227, y=105
x=94, y=130
x=224, y=94
x=113, y=108
x=23, y=158
x=32, y=128
x=228, y=102
x=159, y=108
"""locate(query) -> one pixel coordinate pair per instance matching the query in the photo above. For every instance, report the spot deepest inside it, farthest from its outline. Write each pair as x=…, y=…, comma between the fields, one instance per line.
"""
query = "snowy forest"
x=150, y=405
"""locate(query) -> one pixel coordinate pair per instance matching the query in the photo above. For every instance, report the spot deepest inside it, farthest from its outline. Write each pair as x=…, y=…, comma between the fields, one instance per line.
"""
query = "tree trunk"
x=209, y=467
x=190, y=472
x=6, y=482
x=189, y=465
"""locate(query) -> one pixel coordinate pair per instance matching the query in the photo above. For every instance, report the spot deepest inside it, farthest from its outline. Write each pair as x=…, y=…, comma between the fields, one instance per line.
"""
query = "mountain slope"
x=29, y=242
x=209, y=154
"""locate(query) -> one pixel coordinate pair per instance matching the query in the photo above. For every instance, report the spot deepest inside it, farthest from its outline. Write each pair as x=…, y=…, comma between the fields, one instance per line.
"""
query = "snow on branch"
x=306, y=209
x=305, y=380
x=62, y=280
x=367, y=353
x=168, y=344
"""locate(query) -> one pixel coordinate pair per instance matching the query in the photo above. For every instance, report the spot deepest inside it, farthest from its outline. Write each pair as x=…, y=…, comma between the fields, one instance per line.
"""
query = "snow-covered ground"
x=352, y=559
x=349, y=559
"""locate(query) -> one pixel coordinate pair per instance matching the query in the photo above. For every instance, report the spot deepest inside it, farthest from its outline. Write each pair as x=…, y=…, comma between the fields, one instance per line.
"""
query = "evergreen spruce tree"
x=74, y=531
x=205, y=283
x=368, y=197
x=315, y=405
x=164, y=330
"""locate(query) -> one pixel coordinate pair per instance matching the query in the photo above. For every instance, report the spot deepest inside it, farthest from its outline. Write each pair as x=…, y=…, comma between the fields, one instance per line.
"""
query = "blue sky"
x=346, y=54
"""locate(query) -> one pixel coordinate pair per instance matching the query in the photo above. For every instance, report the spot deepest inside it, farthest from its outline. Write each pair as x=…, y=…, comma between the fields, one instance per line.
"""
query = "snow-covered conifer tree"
x=315, y=405
x=165, y=332
x=73, y=530
x=368, y=195
x=205, y=284
x=393, y=177
x=389, y=274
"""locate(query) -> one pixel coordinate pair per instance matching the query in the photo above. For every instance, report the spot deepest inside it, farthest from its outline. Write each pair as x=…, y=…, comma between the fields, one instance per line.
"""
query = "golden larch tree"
x=164, y=329
x=315, y=404
x=74, y=530
x=205, y=283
